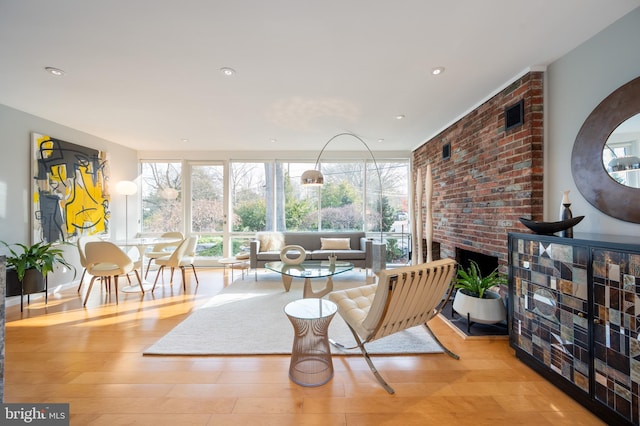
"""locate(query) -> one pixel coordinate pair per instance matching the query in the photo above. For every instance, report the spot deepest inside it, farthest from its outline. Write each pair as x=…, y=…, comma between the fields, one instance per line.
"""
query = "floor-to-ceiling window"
x=250, y=188
x=226, y=203
x=206, y=212
x=162, y=197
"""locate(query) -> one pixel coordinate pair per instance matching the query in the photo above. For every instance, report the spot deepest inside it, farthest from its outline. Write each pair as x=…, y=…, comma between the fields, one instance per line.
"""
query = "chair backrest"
x=107, y=252
x=190, y=252
x=82, y=242
x=178, y=254
x=173, y=234
x=408, y=296
x=191, y=246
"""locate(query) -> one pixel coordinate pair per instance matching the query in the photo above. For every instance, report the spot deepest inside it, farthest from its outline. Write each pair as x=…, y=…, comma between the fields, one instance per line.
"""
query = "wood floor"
x=92, y=358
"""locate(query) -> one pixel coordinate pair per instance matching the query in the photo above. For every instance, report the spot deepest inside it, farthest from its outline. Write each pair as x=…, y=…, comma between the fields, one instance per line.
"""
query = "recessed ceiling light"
x=437, y=71
x=54, y=71
x=273, y=140
x=380, y=140
x=184, y=140
x=399, y=116
x=227, y=71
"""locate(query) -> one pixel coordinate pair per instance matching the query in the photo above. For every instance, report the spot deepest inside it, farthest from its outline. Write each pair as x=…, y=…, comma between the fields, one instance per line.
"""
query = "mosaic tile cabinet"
x=574, y=317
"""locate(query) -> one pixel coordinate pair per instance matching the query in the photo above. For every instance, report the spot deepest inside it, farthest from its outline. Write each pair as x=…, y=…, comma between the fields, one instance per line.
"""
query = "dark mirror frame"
x=589, y=174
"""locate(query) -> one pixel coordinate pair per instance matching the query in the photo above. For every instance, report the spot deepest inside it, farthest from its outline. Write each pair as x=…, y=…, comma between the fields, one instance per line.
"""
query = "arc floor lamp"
x=314, y=177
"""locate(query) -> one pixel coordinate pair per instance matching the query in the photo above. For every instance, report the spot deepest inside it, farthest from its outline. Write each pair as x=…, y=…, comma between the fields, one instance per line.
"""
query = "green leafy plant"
x=474, y=284
x=41, y=256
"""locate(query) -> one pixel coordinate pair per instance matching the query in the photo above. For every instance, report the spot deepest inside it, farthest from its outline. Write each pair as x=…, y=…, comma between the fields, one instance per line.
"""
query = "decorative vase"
x=563, y=201
x=332, y=259
x=566, y=214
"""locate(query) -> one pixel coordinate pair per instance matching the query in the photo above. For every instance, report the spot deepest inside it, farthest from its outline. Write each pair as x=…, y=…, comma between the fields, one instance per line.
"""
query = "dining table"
x=142, y=243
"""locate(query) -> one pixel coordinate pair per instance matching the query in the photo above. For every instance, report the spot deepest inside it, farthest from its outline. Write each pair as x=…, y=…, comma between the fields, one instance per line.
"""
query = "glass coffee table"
x=307, y=270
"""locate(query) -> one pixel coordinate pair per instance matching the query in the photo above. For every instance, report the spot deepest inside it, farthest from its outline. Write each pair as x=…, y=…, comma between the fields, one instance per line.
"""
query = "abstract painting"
x=70, y=194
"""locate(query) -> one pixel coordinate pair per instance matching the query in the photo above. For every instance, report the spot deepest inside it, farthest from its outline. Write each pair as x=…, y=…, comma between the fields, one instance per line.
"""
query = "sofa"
x=351, y=247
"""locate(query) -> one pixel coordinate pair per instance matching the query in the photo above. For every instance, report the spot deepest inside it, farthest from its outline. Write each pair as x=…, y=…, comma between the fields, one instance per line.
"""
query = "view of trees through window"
x=267, y=196
x=161, y=189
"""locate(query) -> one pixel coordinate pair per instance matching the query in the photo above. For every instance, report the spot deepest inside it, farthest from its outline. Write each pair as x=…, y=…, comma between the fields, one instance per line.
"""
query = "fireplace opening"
x=486, y=263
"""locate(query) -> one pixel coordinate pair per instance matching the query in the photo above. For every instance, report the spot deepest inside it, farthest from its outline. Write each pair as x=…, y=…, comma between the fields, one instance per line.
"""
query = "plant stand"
x=33, y=282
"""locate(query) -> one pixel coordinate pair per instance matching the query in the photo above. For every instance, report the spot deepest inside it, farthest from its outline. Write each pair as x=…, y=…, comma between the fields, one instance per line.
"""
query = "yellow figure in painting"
x=70, y=190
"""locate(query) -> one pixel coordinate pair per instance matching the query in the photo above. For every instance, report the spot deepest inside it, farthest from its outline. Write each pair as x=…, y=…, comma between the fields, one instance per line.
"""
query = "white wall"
x=575, y=85
x=15, y=177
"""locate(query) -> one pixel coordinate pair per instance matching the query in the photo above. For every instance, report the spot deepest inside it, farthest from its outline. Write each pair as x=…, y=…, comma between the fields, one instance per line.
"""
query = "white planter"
x=484, y=311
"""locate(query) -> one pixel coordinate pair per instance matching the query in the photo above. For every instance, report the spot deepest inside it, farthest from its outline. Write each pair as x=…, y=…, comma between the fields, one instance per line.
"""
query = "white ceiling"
x=145, y=73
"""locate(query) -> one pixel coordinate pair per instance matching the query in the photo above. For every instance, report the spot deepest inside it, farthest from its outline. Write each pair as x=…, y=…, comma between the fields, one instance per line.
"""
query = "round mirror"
x=593, y=180
x=621, y=153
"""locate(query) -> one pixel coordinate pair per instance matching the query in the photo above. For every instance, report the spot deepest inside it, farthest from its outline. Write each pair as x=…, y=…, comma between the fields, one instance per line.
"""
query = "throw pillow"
x=335, y=244
x=270, y=241
x=277, y=241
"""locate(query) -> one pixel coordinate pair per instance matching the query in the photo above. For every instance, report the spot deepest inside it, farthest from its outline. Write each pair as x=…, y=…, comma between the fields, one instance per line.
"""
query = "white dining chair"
x=162, y=249
x=174, y=261
x=81, y=243
x=107, y=261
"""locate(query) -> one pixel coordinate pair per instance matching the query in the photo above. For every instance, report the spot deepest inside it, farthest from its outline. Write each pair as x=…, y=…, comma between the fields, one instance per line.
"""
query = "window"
x=207, y=208
x=161, y=189
x=249, y=194
x=266, y=196
x=207, y=198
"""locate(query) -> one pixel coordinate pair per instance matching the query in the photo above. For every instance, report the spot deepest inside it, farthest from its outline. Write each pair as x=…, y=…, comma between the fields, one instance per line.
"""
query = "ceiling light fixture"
x=227, y=71
x=54, y=71
x=399, y=116
x=437, y=71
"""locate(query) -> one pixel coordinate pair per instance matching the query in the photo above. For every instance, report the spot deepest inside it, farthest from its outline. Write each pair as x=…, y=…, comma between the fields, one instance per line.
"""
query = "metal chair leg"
x=367, y=358
x=444, y=348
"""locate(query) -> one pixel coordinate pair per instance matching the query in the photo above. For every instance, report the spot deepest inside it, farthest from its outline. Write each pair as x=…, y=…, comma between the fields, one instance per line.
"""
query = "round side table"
x=311, y=363
x=234, y=263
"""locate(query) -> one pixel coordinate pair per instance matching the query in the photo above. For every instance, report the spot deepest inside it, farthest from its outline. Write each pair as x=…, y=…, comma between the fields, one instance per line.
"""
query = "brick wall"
x=492, y=177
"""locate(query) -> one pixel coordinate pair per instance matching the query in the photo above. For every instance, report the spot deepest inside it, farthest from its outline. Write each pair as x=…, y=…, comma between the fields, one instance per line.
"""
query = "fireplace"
x=486, y=263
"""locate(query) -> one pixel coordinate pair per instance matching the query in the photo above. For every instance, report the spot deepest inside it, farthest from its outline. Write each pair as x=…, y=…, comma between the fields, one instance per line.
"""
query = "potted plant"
x=31, y=264
x=474, y=300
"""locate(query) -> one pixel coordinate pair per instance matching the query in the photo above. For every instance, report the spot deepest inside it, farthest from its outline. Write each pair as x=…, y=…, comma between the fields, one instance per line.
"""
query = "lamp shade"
x=312, y=178
x=169, y=193
x=126, y=187
x=628, y=162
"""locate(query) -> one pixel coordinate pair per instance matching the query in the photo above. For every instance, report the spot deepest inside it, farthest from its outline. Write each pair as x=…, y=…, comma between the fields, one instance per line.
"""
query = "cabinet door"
x=549, y=319
x=616, y=282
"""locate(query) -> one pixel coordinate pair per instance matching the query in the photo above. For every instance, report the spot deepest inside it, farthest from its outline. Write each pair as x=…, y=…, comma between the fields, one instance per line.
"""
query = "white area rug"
x=247, y=318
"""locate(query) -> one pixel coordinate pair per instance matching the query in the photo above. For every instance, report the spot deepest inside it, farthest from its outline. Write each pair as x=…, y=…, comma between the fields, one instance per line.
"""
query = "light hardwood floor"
x=92, y=358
